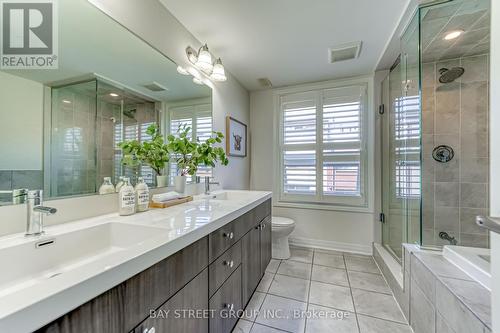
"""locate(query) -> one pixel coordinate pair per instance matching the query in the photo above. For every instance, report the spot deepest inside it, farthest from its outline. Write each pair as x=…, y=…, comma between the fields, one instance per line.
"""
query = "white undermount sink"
x=26, y=263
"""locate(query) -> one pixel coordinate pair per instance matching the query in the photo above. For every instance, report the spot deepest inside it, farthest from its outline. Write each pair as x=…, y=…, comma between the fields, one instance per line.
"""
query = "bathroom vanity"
x=193, y=265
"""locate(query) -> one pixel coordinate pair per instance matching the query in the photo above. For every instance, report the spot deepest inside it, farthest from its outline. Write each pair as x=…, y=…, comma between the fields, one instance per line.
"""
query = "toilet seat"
x=279, y=221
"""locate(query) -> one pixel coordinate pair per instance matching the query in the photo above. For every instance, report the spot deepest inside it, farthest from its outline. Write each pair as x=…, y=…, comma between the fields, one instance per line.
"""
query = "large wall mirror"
x=60, y=128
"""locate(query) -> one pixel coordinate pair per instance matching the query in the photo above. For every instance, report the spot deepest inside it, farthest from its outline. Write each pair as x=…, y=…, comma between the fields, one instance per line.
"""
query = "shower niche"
x=435, y=135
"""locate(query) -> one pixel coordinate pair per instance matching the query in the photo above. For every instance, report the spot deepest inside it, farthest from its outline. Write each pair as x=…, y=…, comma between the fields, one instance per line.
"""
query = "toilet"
x=282, y=227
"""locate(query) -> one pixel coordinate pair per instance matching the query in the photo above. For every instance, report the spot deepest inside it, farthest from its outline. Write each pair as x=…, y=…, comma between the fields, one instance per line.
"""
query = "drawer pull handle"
x=149, y=330
x=229, y=235
x=230, y=263
x=229, y=307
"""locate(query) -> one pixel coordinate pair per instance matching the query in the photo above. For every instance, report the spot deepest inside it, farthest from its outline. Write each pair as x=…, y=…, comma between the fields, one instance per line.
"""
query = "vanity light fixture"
x=113, y=94
x=206, y=63
x=198, y=81
x=453, y=34
x=182, y=70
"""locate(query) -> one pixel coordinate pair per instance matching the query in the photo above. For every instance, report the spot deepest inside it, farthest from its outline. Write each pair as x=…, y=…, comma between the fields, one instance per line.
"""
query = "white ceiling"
x=90, y=42
x=287, y=41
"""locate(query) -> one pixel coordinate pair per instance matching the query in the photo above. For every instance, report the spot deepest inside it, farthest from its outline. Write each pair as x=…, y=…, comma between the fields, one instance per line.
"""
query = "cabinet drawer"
x=221, y=240
x=183, y=313
x=226, y=303
x=221, y=268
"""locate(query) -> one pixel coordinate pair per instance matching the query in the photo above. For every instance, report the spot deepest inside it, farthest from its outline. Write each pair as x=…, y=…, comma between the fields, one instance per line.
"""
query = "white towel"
x=164, y=197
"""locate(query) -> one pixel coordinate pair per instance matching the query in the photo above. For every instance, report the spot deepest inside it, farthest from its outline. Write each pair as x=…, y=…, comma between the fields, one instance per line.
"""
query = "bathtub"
x=475, y=262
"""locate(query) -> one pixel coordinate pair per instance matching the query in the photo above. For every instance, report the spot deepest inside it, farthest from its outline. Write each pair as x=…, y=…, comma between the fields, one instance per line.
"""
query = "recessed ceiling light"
x=113, y=95
x=66, y=101
x=182, y=70
x=453, y=34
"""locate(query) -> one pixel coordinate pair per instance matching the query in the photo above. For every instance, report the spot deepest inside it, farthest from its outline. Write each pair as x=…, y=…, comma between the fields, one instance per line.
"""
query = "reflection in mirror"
x=60, y=128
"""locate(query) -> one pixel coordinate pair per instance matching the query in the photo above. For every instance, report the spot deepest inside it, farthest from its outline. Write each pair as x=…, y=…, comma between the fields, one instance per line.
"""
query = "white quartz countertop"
x=31, y=305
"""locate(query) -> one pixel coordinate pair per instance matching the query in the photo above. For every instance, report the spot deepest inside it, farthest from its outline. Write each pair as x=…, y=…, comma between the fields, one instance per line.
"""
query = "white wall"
x=21, y=119
x=343, y=230
x=495, y=158
x=152, y=22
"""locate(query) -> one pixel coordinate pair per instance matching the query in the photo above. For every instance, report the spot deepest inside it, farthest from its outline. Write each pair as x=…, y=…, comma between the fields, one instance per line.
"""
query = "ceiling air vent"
x=265, y=82
x=343, y=52
x=154, y=86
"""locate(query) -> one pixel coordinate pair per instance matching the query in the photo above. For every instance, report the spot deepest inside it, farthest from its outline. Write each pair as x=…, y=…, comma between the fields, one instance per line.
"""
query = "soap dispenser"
x=142, y=195
x=126, y=198
x=119, y=184
x=107, y=186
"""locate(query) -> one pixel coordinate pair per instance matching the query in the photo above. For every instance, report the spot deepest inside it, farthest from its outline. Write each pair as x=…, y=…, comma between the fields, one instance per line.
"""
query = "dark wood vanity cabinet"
x=194, y=290
x=184, y=312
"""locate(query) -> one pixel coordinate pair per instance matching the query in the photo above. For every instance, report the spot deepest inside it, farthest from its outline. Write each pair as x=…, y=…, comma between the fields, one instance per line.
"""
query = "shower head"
x=450, y=75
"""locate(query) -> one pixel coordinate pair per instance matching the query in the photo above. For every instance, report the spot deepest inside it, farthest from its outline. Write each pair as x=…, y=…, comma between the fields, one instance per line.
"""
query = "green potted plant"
x=189, y=154
x=153, y=153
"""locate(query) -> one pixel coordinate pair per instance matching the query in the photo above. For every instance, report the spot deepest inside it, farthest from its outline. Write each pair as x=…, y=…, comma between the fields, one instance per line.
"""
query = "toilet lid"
x=282, y=221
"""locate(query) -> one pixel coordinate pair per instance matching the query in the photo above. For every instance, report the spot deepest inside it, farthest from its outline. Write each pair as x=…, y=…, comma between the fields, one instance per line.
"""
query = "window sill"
x=331, y=207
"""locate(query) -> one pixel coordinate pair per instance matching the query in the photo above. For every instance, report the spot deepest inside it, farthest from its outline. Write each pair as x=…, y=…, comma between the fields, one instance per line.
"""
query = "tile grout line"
x=352, y=296
x=309, y=291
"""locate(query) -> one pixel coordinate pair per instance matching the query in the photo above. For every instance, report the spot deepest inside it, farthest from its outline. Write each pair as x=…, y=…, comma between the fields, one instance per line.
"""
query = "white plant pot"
x=161, y=181
x=180, y=184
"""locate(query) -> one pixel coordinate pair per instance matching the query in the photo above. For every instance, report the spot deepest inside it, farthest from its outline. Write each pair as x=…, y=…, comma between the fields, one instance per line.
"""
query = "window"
x=199, y=118
x=322, y=146
x=407, y=147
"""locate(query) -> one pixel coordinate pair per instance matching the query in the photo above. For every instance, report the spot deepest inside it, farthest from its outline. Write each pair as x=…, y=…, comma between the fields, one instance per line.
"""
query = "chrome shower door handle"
x=488, y=222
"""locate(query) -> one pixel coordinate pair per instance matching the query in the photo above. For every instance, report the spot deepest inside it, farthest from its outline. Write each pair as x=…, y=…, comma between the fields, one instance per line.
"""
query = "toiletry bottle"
x=107, y=187
x=119, y=184
x=142, y=195
x=126, y=198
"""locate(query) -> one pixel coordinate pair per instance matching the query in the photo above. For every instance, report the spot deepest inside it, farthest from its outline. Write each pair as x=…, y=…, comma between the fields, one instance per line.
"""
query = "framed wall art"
x=236, y=137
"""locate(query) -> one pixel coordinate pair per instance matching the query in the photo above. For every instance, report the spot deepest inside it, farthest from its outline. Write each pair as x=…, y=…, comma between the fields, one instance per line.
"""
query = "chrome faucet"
x=36, y=210
x=208, y=183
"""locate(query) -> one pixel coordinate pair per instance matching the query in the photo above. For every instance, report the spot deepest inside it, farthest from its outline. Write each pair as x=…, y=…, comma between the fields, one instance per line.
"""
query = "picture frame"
x=236, y=137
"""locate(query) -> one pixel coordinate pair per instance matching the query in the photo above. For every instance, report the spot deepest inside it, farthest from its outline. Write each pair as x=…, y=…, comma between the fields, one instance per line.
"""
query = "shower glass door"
x=401, y=148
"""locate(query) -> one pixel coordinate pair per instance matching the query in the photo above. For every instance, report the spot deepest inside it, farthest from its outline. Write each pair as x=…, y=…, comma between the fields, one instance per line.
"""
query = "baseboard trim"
x=331, y=245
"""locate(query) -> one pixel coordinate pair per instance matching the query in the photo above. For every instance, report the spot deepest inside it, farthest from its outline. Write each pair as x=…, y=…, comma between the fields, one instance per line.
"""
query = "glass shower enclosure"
x=88, y=120
x=435, y=157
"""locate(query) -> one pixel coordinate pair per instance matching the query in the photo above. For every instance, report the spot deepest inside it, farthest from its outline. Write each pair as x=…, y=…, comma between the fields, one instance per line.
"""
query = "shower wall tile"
x=468, y=220
x=428, y=169
x=32, y=179
x=447, y=194
x=476, y=68
x=474, y=195
x=447, y=172
x=475, y=144
x=447, y=219
x=474, y=103
x=474, y=170
x=427, y=122
x=5, y=179
x=474, y=240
